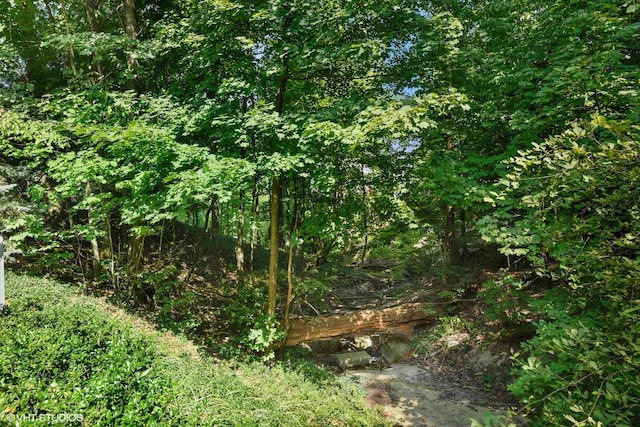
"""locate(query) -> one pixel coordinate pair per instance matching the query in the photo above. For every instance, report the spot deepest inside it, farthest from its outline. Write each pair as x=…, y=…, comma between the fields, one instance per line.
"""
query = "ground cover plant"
x=64, y=354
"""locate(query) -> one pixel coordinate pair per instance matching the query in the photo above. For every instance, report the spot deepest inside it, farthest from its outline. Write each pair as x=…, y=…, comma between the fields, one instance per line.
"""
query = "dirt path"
x=412, y=395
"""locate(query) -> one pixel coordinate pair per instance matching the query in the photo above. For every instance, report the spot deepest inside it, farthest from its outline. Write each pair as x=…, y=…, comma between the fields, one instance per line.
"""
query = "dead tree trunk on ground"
x=399, y=320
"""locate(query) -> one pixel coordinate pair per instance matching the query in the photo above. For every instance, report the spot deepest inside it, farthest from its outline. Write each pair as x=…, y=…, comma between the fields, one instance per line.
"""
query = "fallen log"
x=398, y=320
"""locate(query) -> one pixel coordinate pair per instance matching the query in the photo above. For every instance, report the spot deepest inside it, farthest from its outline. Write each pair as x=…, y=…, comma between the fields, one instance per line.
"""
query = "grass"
x=64, y=354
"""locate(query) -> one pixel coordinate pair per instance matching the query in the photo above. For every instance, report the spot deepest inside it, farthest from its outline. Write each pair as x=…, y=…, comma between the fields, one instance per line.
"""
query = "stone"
x=363, y=342
x=353, y=359
x=394, y=351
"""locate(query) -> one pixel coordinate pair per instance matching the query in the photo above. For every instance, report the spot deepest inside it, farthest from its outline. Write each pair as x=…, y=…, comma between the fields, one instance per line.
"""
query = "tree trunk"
x=95, y=249
x=196, y=217
x=295, y=224
x=72, y=54
x=365, y=225
x=90, y=11
x=449, y=242
x=254, y=233
x=282, y=212
x=110, y=252
x=276, y=191
x=274, y=240
x=463, y=230
x=213, y=213
x=287, y=306
x=399, y=320
x=131, y=30
x=136, y=252
x=240, y=236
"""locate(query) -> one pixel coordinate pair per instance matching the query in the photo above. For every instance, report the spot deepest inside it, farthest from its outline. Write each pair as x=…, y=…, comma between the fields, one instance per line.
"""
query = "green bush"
x=244, y=315
x=63, y=353
x=583, y=367
x=60, y=357
x=570, y=206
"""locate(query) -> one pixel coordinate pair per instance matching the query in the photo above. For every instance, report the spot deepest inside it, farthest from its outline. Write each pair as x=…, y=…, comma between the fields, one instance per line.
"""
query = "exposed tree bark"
x=241, y=211
x=90, y=8
x=95, y=249
x=213, y=212
x=365, y=225
x=287, y=306
x=284, y=183
x=131, y=29
x=196, y=217
x=292, y=234
x=72, y=54
x=110, y=250
x=136, y=252
x=254, y=233
x=240, y=236
x=449, y=241
x=398, y=320
x=274, y=246
x=276, y=191
x=463, y=230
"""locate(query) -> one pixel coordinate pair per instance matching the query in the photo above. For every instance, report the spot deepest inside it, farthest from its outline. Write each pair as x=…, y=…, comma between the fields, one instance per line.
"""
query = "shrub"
x=63, y=353
x=570, y=206
x=63, y=358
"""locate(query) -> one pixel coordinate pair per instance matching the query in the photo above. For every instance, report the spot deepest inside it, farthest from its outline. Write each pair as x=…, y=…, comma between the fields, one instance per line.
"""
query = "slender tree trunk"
x=365, y=225
x=449, y=242
x=90, y=11
x=131, y=29
x=72, y=54
x=287, y=307
x=136, y=252
x=463, y=231
x=240, y=228
x=110, y=251
x=274, y=246
x=161, y=239
x=276, y=191
x=214, y=214
x=195, y=221
x=240, y=236
x=95, y=249
x=254, y=233
x=295, y=224
x=282, y=211
x=224, y=218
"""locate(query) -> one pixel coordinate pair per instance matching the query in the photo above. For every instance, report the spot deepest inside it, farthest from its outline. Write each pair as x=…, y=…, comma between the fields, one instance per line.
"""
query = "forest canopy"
x=306, y=127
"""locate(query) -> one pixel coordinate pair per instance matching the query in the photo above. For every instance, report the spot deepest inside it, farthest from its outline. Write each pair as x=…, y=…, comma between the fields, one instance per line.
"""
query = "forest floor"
x=459, y=364
x=457, y=368
x=443, y=387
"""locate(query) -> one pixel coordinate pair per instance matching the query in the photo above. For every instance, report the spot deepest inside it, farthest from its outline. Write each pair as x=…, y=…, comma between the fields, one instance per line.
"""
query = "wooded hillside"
x=308, y=132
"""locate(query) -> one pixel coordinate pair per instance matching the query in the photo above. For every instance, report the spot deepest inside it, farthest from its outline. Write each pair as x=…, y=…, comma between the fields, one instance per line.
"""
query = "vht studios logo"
x=44, y=418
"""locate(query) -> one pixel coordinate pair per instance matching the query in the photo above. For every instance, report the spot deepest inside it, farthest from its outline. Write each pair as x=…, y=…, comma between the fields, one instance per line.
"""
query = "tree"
x=292, y=106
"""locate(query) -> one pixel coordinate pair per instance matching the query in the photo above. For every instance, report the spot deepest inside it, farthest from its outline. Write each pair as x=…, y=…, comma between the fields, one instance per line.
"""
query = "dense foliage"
x=318, y=126
x=576, y=198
